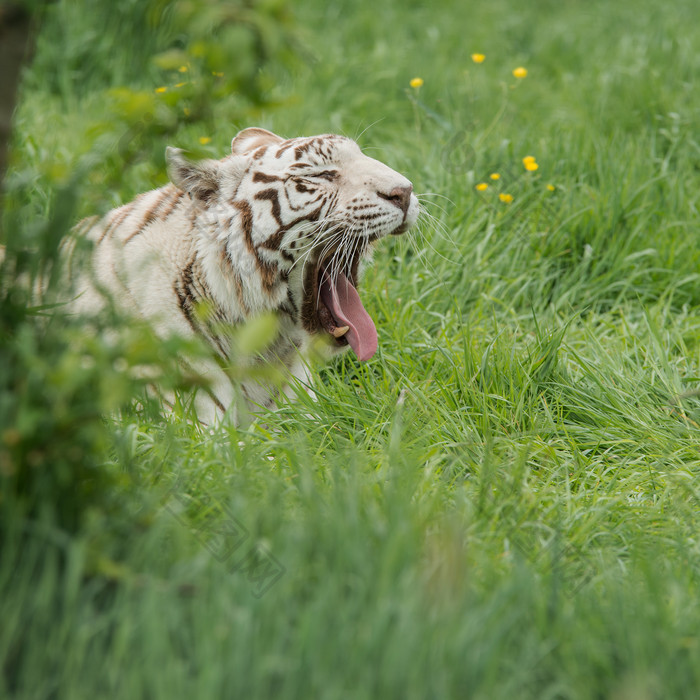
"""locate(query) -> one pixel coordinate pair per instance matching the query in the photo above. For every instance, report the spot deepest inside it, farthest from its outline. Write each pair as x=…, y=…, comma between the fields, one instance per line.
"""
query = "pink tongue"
x=344, y=303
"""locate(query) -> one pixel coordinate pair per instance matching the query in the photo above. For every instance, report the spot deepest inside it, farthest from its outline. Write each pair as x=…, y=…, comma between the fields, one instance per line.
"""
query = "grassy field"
x=503, y=502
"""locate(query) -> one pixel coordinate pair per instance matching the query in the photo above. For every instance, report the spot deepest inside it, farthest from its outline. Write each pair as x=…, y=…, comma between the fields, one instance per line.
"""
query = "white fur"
x=231, y=223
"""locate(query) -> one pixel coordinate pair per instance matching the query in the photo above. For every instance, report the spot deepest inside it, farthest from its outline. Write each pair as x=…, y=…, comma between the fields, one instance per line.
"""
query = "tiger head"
x=306, y=212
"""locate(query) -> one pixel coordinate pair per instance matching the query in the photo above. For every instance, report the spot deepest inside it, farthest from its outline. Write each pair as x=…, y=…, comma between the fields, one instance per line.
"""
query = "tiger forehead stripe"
x=304, y=147
x=285, y=146
x=322, y=145
x=264, y=177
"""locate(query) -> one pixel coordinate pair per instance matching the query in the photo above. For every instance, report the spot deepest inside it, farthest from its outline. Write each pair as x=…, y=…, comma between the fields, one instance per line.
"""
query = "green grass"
x=504, y=501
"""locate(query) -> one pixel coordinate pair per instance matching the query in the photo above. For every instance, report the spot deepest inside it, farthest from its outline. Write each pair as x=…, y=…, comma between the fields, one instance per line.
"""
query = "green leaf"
x=257, y=334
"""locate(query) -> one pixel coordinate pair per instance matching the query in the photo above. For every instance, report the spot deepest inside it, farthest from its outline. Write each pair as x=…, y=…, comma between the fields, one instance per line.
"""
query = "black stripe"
x=246, y=214
x=216, y=401
x=233, y=274
x=173, y=205
x=117, y=219
x=264, y=177
x=302, y=148
x=286, y=145
x=84, y=225
x=268, y=271
x=272, y=196
x=195, y=291
x=150, y=216
x=184, y=304
x=289, y=307
x=274, y=241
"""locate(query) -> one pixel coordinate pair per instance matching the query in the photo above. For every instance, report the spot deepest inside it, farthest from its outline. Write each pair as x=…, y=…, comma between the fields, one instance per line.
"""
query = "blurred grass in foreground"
x=504, y=502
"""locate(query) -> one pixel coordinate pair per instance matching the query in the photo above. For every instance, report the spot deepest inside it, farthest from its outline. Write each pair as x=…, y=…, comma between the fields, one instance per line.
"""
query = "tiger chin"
x=278, y=226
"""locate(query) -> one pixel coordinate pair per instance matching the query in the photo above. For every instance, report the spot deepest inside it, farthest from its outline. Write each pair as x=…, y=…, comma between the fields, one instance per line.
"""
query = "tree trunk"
x=15, y=43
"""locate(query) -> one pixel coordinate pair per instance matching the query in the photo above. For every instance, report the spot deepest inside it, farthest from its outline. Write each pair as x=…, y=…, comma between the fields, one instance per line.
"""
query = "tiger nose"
x=400, y=197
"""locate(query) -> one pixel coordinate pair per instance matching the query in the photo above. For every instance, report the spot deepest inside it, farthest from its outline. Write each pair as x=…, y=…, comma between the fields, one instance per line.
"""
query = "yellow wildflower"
x=528, y=159
x=551, y=188
x=494, y=176
x=416, y=82
x=217, y=74
x=507, y=198
x=531, y=165
x=520, y=72
x=482, y=186
x=478, y=57
x=161, y=89
x=179, y=85
x=183, y=69
x=204, y=140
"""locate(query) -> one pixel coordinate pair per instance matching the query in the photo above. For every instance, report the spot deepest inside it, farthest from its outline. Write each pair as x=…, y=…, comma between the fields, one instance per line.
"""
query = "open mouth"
x=332, y=305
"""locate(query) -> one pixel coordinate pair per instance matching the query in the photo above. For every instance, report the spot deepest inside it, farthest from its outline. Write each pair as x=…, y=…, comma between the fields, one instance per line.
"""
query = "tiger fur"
x=277, y=226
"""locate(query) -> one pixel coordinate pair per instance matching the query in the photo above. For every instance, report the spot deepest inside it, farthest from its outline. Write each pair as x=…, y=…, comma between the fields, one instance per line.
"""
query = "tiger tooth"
x=340, y=332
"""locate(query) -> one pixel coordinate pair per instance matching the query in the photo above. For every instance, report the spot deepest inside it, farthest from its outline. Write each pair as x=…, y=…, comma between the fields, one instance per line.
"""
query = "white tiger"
x=277, y=226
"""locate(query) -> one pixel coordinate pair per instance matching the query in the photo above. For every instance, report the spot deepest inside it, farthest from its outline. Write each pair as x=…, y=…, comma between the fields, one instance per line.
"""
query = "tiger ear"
x=201, y=180
x=250, y=139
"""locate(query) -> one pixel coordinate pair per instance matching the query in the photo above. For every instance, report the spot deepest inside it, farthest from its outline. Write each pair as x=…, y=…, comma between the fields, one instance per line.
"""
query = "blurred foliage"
x=58, y=380
x=155, y=65
x=225, y=46
x=182, y=58
x=138, y=76
x=52, y=434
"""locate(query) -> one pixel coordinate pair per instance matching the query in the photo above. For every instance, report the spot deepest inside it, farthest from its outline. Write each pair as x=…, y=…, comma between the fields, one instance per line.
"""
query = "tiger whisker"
x=436, y=223
x=335, y=238
x=312, y=245
x=424, y=206
x=434, y=194
x=367, y=128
